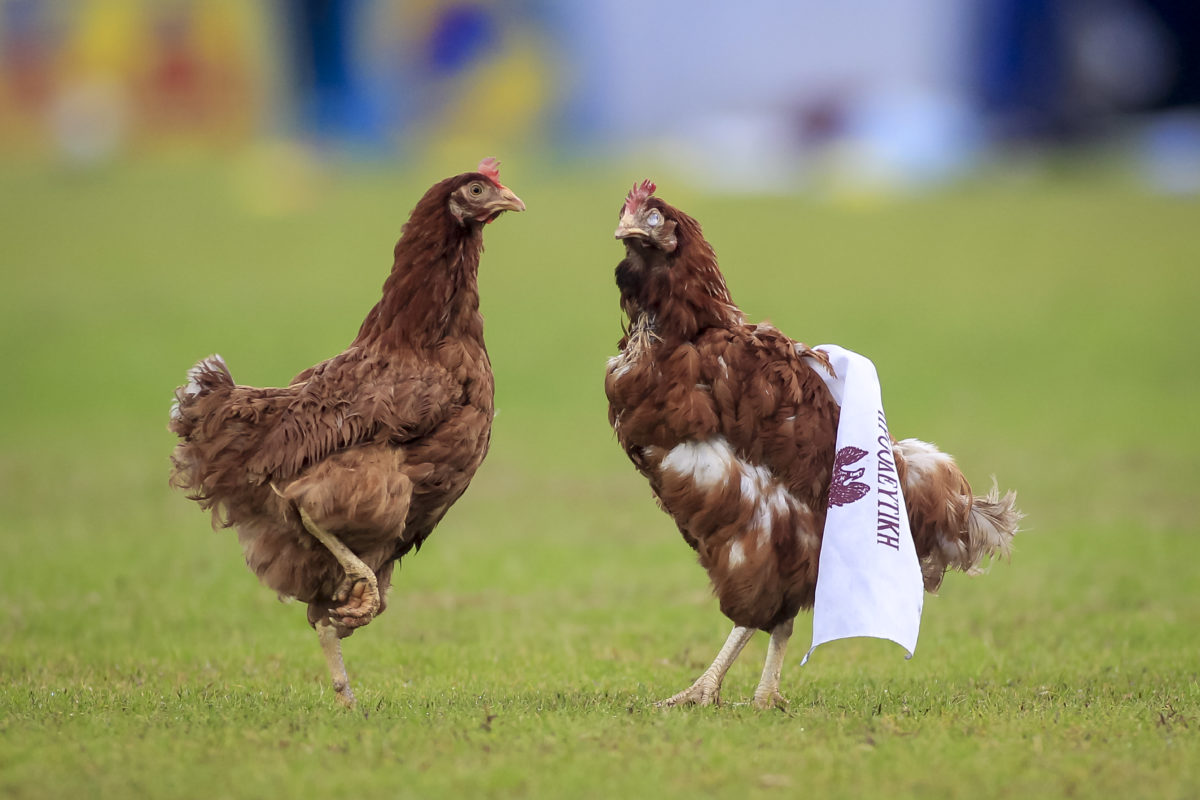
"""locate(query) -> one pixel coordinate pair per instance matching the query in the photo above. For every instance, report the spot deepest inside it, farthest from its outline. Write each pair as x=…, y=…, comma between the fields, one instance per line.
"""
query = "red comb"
x=638, y=195
x=490, y=169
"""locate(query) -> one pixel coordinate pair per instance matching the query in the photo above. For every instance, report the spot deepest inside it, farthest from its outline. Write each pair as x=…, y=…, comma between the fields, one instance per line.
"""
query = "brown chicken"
x=735, y=431
x=330, y=480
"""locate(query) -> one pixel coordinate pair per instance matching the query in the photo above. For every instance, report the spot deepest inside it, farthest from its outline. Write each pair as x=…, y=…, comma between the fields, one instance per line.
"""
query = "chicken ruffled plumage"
x=330, y=480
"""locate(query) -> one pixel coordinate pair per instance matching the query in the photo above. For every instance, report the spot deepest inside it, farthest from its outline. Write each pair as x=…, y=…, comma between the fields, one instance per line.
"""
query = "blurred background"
x=766, y=95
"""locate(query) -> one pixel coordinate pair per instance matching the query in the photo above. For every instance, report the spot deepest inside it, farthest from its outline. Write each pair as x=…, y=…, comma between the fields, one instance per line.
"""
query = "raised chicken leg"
x=359, y=591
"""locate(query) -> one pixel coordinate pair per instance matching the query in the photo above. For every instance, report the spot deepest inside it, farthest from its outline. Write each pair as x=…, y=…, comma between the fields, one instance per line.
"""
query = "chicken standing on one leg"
x=330, y=480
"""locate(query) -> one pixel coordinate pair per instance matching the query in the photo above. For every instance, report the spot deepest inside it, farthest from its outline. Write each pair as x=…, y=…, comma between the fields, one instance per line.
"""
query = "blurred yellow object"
x=117, y=75
x=107, y=38
x=500, y=105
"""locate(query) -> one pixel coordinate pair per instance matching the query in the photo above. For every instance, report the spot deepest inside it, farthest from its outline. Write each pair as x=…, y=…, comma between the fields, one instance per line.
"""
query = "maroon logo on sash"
x=844, y=487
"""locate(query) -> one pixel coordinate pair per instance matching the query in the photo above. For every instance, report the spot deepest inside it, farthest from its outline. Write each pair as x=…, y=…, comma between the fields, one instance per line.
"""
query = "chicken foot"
x=767, y=694
x=359, y=591
x=707, y=688
x=331, y=646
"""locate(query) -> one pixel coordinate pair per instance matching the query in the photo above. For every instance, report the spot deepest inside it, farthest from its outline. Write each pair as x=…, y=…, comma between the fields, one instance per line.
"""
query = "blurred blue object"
x=462, y=34
x=331, y=97
x=1170, y=152
x=1022, y=68
x=912, y=139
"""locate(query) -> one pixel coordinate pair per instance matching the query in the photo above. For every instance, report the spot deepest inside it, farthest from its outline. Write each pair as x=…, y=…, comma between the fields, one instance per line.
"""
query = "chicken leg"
x=767, y=694
x=707, y=688
x=360, y=590
x=331, y=646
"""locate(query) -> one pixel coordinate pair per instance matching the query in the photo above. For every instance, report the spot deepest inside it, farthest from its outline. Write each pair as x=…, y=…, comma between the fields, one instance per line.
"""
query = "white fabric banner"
x=870, y=581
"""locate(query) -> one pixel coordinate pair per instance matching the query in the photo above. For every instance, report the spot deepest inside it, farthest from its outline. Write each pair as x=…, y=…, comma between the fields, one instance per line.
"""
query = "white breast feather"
x=712, y=463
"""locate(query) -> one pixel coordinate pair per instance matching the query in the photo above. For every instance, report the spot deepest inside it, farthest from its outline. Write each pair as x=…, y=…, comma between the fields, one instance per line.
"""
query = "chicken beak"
x=507, y=201
x=627, y=229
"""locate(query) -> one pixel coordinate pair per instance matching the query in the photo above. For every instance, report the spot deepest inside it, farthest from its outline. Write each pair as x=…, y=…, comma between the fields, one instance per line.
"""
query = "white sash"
x=870, y=581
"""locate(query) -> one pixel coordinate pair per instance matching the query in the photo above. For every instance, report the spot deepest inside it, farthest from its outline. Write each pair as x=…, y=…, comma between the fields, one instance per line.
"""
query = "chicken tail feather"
x=952, y=529
x=208, y=374
x=993, y=522
x=209, y=382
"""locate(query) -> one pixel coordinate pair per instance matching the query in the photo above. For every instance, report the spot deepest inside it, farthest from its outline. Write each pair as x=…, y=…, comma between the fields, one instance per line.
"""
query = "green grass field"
x=1043, y=331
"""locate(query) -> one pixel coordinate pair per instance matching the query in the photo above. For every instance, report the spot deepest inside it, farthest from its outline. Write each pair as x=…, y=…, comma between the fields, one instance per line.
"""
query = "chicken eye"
x=476, y=189
x=654, y=219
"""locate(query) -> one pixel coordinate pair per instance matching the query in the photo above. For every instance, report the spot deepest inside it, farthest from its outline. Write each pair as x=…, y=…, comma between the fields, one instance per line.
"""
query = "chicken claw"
x=767, y=702
x=706, y=691
x=361, y=598
x=700, y=693
x=360, y=585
